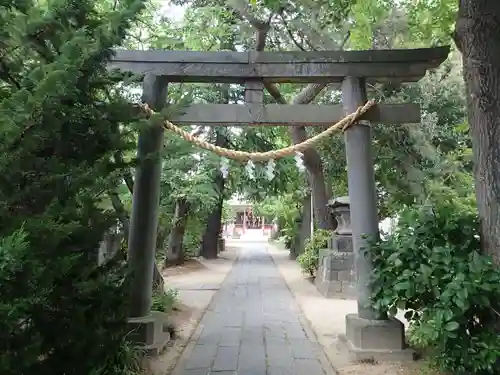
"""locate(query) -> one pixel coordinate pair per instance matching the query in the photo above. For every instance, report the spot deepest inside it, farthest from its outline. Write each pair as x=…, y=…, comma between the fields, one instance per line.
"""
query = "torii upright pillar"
x=147, y=326
x=367, y=334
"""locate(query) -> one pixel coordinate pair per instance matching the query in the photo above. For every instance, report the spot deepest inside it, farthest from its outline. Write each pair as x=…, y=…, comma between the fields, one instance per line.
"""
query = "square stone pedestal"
x=151, y=332
x=375, y=340
x=335, y=276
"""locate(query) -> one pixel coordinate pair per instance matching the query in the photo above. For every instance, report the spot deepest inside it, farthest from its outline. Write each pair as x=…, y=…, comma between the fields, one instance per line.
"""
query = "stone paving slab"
x=253, y=326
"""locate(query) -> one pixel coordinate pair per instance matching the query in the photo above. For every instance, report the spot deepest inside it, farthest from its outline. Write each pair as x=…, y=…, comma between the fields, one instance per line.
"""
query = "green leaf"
x=402, y=286
x=460, y=302
x=447, y=314
x=462, y=294
x=451, y=326
x=393, y=257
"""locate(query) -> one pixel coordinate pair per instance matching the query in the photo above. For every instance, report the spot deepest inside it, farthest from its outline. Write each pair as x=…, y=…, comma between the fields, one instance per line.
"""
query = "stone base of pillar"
x=379, y=340
x=151, y=332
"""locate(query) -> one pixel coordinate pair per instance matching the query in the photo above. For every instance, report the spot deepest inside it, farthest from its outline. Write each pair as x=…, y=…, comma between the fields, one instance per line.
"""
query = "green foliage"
x=431, y=267
x=285, y=209
x=48, y=306
x=309, y=259
x=61, y=121
x=431, y=22
x=193, y=235
x=164, y=301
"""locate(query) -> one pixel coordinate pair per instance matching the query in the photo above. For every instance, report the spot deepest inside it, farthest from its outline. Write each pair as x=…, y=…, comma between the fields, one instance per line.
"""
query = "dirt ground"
x=385, y=369
x=191, y=265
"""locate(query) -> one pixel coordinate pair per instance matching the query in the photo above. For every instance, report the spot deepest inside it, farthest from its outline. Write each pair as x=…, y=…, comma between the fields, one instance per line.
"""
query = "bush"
x=192, y=238
x=62, y=124
x=164, y=301
x=309, y=259
x=54, y=311
x=289, y=230
x=431, y=266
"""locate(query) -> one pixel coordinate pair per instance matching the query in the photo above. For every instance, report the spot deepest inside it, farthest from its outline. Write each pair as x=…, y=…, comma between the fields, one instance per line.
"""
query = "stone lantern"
x=335, y=274
x=340, y=209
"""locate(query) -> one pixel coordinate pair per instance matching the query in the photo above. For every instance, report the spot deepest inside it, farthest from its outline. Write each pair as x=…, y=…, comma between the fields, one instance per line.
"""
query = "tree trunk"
x=209, y=244
x=175, y=247
x=317, y=182
x=121, y=211
x=304, y=230
x=305, y=226
x=158, y=281
x=210, y=239
x=312, y=159
x=477, y=37
x=213, y=229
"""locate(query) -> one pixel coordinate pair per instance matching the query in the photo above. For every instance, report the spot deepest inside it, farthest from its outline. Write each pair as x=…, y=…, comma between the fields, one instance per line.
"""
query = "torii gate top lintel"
x=403, y=65
x=252, y=68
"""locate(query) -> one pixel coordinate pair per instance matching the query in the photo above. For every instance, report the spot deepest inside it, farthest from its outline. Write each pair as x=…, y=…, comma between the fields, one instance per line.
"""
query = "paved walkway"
x=253, y=327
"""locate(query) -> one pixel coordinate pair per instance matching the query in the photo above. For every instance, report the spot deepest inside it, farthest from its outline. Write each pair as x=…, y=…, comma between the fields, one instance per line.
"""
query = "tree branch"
x=127, y=174
x=4, y=71
x=312, y=159
x=241, y=7
x=198, y=132
x=290, y=34
x=346, y=39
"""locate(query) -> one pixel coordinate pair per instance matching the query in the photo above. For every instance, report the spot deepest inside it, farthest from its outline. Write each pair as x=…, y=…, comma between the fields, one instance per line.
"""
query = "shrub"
x=431, y=266
x=62, y=124
x=309, y=259
x=54, y=311
x=289, y=231
x=164, y=302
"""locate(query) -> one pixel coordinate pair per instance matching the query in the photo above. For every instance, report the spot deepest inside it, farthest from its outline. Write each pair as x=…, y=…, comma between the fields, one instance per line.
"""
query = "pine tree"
x=60, y=121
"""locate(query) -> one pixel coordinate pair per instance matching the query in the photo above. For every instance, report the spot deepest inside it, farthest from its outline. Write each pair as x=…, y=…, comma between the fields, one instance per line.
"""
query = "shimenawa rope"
x=342, y=125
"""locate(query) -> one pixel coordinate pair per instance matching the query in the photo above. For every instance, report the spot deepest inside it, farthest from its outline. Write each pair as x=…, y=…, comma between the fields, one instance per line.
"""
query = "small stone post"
x=144, y=221
x=367, y=334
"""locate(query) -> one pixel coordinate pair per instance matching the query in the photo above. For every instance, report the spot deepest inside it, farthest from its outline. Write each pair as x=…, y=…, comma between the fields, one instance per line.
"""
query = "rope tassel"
x=243, y=156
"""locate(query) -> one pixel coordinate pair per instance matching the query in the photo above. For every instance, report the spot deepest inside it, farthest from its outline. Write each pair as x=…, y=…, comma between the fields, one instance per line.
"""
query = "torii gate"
x=367, y=335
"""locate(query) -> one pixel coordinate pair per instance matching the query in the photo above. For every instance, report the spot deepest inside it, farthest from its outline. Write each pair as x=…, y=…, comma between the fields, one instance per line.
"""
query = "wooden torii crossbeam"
x=406, y=65
x=299, y=67
x=351, y=69
x=255, y=114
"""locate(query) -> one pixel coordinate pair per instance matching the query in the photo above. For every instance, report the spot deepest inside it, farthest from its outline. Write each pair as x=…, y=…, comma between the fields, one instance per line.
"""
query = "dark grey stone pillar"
x=362, y=191
x=144, y=217
x=368, y=336
x=254, y=91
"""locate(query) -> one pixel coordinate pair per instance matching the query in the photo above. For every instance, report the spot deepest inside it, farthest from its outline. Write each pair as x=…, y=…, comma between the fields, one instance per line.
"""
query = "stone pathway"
x=254, y=326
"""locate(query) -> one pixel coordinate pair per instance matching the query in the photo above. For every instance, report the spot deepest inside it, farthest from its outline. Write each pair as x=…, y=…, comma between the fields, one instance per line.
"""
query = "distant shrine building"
x=242, y=219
